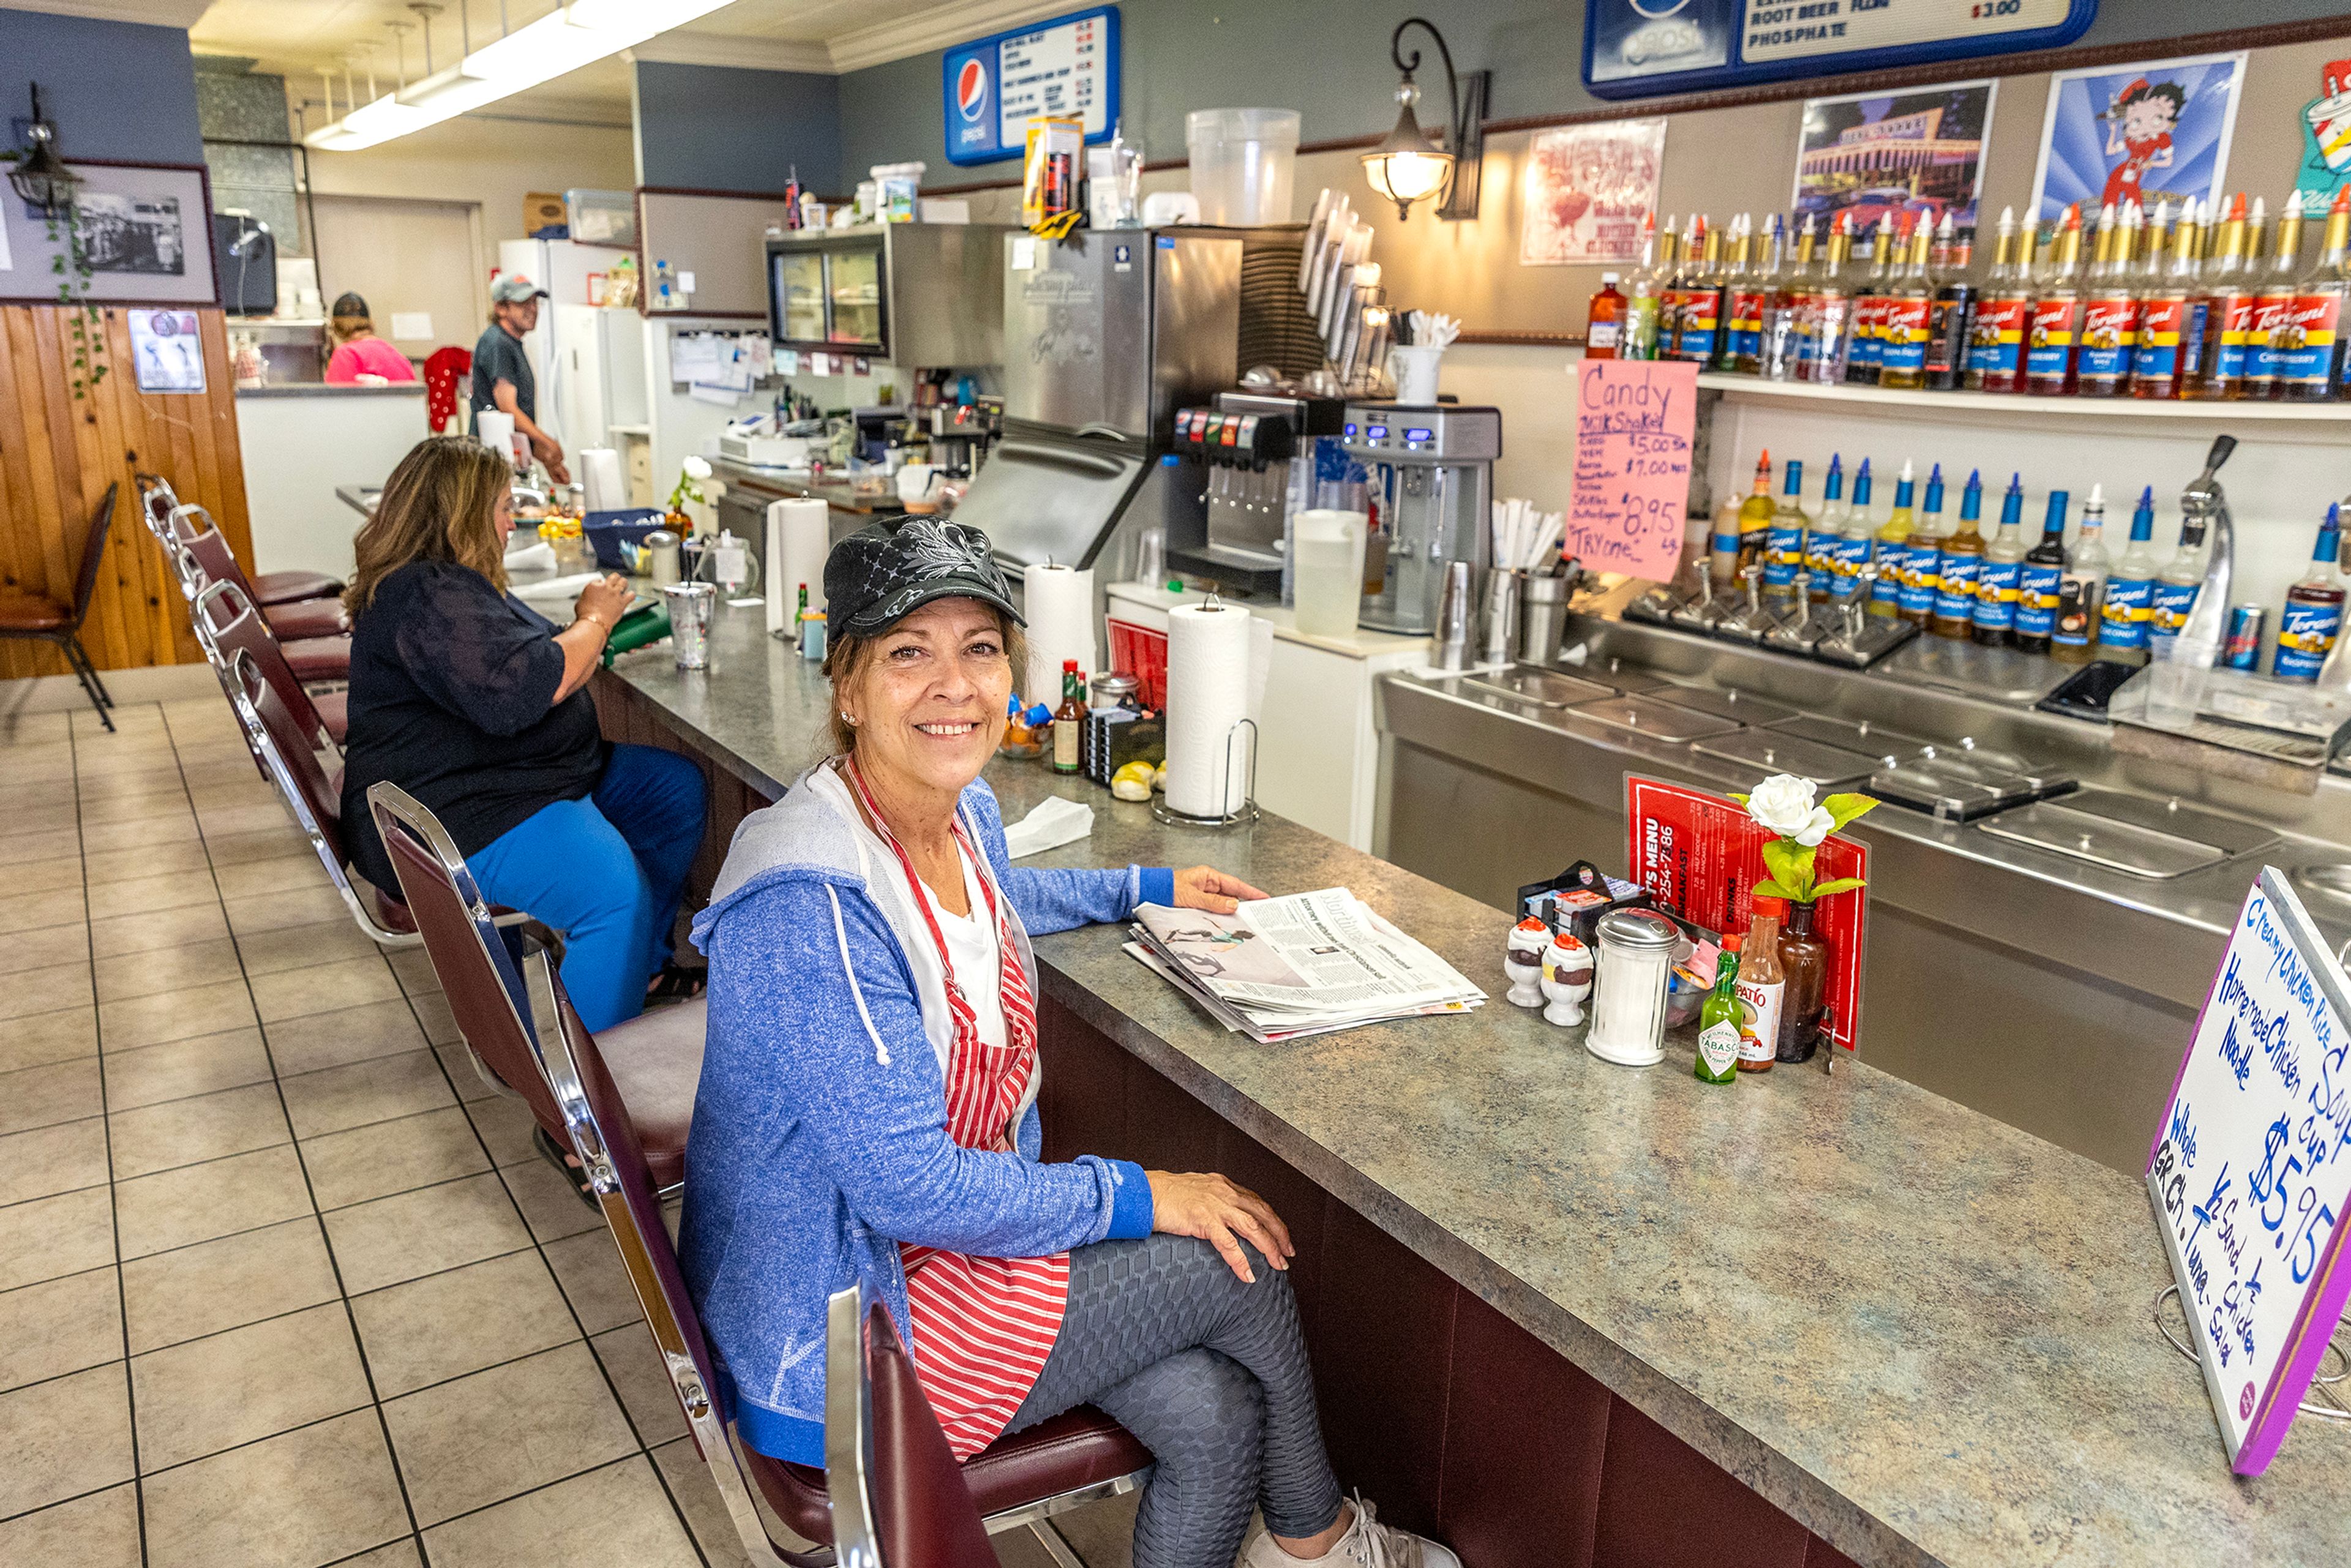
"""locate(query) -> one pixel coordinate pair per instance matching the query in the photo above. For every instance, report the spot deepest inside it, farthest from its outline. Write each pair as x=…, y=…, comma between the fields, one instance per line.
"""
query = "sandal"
x=574, y=1175
x=676, y=983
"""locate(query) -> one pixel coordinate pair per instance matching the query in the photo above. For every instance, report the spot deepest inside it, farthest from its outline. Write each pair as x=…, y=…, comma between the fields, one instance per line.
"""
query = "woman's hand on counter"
x=1206, y=887
x=594, y=613
x=1222, y=1213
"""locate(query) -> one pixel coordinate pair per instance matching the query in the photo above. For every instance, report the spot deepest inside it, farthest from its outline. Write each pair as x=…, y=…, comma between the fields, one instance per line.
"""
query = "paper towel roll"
x=1209, y=651
x=1059, y=604
x=799, y=539
x=495, y=430
x=601, y=477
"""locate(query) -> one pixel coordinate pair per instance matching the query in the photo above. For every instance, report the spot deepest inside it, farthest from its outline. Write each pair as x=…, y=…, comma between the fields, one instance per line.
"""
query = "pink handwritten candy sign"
x=1634, y=421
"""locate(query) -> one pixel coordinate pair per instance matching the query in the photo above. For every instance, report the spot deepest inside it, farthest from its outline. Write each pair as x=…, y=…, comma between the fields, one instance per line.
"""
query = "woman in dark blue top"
x=476, y=704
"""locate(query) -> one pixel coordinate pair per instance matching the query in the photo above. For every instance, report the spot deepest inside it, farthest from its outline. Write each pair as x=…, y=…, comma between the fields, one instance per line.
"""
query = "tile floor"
x=281, y=1283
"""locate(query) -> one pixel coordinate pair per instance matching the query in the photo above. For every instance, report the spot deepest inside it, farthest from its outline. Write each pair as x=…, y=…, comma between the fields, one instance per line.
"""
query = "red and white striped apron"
x=983, y=1326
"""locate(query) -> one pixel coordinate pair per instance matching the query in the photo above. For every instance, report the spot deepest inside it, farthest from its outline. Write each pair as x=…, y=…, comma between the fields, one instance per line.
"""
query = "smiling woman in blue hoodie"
x=867, y=1112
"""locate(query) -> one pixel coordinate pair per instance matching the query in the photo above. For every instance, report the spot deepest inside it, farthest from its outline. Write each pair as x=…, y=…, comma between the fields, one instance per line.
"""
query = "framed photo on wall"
x=2143, y=133
x=145, y=231
x=1875, y=153
x=1588, y=190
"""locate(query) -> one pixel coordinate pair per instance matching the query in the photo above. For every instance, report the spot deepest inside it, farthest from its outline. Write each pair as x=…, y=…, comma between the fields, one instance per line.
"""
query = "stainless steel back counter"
x=2036, y=981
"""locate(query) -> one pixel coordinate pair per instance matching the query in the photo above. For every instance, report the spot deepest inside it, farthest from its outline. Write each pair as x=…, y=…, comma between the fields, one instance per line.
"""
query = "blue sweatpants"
x=607, y=872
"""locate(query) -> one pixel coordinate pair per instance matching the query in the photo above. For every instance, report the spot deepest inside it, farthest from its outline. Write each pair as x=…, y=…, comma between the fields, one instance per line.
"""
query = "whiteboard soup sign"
x=2250, y=1173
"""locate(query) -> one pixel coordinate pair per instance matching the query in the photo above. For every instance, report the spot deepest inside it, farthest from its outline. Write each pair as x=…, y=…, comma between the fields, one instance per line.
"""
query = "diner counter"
x=772, y=484
x=1922, y=1333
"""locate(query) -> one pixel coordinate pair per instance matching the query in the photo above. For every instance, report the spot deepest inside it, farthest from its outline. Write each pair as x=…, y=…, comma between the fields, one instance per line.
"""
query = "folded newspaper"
x=1305, y=964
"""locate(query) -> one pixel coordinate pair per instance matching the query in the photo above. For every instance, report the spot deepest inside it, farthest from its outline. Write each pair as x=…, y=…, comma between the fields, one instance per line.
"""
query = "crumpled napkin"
x=1053, y=823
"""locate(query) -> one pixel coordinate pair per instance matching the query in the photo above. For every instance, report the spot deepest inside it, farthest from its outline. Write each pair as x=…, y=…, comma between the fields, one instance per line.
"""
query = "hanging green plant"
x=85, y=329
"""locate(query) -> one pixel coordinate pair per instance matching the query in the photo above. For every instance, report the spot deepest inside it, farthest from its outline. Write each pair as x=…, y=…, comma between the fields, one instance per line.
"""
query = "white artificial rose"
x=1817, y=826
x=697, y=468
x=1784, y=804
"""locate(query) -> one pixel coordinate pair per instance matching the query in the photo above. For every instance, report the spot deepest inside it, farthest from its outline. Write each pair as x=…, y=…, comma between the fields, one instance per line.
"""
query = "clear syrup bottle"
x=2130, y=603
x=2081, y=589
x=1821, y=544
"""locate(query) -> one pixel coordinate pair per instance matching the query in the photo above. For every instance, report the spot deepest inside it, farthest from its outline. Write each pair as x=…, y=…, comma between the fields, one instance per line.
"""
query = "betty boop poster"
x=2143, y=133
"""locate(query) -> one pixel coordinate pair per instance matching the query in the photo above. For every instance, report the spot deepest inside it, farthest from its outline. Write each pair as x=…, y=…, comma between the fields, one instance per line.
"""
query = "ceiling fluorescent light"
x=555, y=44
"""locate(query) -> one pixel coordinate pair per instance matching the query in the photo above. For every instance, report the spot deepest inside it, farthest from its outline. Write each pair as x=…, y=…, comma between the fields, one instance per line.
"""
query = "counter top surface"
x=326, y=389
x=1924, y=1333
x=838, y=495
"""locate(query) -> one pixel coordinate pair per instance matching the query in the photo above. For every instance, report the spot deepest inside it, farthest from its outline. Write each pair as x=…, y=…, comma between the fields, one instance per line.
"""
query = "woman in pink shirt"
x=359, y=351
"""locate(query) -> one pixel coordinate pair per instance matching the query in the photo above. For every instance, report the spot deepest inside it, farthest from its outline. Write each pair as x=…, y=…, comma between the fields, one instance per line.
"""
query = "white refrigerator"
x=590, y=362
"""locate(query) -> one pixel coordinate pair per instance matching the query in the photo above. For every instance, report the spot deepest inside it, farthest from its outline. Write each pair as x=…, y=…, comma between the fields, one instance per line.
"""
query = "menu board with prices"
x=1644, y=49
x=1635, y=423
x=993, y=86
x=2251, y=1171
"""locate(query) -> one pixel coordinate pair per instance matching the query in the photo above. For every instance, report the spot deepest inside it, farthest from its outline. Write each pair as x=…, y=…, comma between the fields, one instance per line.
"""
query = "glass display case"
x=910, y=294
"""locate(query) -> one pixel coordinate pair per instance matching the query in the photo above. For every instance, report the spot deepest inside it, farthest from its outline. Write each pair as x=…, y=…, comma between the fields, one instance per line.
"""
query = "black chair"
x=36, y=615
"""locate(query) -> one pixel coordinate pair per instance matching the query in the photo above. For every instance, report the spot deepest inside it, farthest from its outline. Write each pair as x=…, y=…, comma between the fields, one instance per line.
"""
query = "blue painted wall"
x=722, y=129
x=116, y=89
x=1330, y=62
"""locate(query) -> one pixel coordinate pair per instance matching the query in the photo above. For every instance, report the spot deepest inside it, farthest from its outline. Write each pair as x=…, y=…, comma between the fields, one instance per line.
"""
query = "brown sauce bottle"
x=1805, y=958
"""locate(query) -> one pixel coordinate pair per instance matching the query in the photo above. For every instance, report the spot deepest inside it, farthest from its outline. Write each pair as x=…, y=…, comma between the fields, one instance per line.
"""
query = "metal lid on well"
x=1636, y=928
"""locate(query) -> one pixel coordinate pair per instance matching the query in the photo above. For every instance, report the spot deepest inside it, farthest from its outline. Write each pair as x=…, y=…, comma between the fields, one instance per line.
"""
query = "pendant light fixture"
x=40, y=177
x=1408, y=167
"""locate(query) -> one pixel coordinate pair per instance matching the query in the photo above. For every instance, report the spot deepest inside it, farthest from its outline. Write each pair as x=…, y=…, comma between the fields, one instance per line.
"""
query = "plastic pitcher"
x=1326, y=570
x=1242, y=160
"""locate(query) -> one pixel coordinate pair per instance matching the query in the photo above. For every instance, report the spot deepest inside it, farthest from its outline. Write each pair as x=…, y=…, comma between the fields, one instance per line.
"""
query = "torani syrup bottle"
x=2003, y=317
x=1894, y=547
x=2218, y=370
x=2050, y=357
x=2310, y=362
x=1783, y=313
x=1821, y=544
x=2173, y=320
x=2004, y=560
x=1922, y=565
x=2110, y=311
x=2312, y=615
x=1904, y=316
x=1859, y=533
x=2040, y=580
x=2274, y=303
x=1783, y=553
x=2176, y=586
x=1960, y=567
x=2130, y=590
x=1827, y=321
x=2082, y=588
x=1952, y=315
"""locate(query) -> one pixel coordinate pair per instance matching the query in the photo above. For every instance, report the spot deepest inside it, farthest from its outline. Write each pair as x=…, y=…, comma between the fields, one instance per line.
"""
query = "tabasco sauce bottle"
x=1752, y=293
x=2274, y=303
x=2173, y=319
x=2111, y=310
x=2310, y=365
x=1905, y=312
x=1953, y=312
x=1700, y=324
x=2003, y=316
x=1070, y=719
x=2051, y=366
x=2217, y=370
x=1828, y=314
x=1717, y=1020
x=1784, y=314
x=1863, y=357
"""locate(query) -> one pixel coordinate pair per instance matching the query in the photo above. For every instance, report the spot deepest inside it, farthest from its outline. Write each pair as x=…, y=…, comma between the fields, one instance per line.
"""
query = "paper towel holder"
x=1245, y=812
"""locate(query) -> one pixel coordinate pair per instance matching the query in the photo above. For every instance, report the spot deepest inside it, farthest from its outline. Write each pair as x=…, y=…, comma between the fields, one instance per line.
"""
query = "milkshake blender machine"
x=1431, y=484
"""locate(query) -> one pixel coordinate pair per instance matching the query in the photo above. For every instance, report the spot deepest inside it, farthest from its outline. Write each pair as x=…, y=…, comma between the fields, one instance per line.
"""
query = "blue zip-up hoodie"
x=820, y=1140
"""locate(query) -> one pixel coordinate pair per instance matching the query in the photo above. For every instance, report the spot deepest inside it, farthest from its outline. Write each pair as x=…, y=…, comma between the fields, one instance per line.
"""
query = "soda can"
x=2244, y=649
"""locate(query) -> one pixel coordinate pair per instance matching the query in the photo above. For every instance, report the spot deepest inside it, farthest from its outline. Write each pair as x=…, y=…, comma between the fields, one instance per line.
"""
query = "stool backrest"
x=470, y=958
x=911, y=1487
x=208, y=547
x=601, y=1135
x=158, y=503
x=227, y=621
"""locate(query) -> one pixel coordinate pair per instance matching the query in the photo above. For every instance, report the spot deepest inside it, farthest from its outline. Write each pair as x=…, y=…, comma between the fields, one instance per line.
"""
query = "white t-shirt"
x=972, y=944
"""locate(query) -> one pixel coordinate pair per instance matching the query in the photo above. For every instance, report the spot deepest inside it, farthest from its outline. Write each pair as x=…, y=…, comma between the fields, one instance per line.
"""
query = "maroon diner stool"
x=156, y=504
x=655, y=1058
x=897, y=1497
x=226, y=620
x=1018, y=1481
x=208, y=547
x=36, y=617
x=283, y=749
x=269, y=589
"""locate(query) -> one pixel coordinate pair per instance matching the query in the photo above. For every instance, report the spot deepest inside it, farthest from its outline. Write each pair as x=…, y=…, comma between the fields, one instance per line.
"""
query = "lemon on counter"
x=1132, y=782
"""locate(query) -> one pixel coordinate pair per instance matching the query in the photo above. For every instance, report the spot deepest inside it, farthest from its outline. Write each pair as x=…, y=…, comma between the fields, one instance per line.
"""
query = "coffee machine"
x=1432, y=488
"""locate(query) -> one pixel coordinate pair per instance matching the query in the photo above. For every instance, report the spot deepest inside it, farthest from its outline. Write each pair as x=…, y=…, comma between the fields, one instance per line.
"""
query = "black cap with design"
x=893, y=565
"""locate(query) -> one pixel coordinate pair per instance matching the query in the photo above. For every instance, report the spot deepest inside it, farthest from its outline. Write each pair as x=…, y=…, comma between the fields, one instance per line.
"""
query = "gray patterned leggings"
x=1208, y=1374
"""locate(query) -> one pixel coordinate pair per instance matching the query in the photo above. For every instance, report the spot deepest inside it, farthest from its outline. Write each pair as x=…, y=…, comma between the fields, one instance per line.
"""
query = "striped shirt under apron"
x=983, y=1326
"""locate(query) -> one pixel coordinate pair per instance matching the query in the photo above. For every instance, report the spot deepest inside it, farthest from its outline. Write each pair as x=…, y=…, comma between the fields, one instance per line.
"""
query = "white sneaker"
x=1368, y=1543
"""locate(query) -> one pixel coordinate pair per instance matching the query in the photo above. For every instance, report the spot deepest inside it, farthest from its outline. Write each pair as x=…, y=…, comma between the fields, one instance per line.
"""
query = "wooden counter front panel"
x=1453, y=1419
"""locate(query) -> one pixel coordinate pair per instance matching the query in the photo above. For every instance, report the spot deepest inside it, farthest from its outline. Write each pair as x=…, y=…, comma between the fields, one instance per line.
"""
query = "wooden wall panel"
x=59, y=454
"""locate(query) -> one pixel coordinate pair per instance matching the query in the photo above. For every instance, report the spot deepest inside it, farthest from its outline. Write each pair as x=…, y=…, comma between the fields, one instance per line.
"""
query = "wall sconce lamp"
x=40, y=177
x=1408, y=167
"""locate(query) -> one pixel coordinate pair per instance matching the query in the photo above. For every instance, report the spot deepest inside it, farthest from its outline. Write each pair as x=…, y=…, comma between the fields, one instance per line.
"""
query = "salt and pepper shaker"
x=1567, y=979
x=1523, y=962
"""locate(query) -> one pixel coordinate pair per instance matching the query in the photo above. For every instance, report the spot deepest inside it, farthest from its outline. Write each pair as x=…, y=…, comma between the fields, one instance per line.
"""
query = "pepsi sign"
x=992, y=87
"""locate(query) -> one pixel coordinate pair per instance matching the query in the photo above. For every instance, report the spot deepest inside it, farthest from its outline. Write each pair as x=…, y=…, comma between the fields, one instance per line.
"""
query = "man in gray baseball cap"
x=502, y=374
